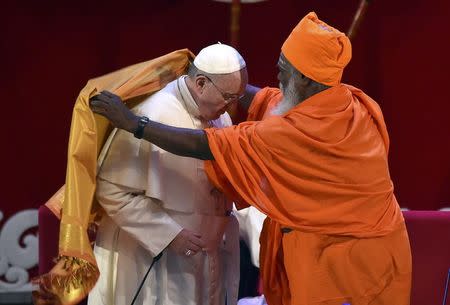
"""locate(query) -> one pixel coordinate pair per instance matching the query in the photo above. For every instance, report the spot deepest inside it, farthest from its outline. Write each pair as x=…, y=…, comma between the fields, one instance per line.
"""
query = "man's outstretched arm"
x=180, y=141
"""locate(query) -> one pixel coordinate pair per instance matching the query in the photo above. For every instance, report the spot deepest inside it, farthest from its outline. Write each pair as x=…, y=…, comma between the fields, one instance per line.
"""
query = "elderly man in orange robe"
x=313, y=156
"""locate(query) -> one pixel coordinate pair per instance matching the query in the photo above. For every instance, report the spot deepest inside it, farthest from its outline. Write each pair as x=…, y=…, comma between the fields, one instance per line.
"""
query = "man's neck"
x=312, y=90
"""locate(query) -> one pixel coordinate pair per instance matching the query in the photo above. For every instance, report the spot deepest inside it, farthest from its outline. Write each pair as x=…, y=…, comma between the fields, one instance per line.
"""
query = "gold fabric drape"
x=76, y=271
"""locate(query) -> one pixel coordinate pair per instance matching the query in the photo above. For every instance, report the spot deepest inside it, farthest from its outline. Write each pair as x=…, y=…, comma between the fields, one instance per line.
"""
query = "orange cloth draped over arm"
x=319, y=169
x=87, y=135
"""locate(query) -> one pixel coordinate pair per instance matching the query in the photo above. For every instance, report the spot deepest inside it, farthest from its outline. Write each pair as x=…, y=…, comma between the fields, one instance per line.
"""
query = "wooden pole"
x=359, y=16
x=234, y=24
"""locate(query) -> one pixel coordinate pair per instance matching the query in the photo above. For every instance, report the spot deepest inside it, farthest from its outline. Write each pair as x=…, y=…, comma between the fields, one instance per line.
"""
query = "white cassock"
x=149, y=195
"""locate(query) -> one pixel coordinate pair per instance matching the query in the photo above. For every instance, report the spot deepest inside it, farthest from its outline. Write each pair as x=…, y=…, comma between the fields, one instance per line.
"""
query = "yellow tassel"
x=68, y=282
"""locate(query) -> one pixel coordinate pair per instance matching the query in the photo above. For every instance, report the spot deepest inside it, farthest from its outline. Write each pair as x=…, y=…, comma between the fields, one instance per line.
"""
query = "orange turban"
x=318, y=50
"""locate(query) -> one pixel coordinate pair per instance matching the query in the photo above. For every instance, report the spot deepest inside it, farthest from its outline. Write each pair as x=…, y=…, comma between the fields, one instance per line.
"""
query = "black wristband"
x=143, y=120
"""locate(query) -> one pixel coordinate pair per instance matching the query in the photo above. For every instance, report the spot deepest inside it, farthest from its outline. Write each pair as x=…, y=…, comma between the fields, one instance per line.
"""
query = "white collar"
x=186, y=97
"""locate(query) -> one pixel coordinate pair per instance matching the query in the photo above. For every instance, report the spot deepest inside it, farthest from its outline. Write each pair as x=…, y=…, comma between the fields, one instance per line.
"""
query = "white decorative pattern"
x=16, y=259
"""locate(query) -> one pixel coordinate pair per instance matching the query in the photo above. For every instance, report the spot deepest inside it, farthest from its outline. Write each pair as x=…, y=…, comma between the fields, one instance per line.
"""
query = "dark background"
x=49, y=49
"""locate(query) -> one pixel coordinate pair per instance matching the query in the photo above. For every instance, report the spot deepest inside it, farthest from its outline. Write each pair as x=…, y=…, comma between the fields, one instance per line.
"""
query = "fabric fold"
x=320, y=169
x=72, y=282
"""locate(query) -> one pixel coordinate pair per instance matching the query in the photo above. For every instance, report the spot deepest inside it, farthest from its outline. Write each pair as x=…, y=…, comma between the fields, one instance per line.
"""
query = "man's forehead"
x=282, y=61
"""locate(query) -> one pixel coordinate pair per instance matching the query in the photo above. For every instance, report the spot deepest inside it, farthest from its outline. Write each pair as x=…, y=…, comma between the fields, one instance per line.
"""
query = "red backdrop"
x=49, y=49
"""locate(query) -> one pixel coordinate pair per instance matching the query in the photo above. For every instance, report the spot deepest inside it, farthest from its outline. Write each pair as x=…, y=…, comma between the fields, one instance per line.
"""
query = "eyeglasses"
x=228, y=97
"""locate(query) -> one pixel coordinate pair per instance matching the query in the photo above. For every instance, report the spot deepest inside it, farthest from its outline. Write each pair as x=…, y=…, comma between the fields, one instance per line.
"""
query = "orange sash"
x=76, y=271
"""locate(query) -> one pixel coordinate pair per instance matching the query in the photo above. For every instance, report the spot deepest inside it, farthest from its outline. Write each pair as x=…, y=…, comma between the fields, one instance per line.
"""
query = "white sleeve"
x=140, y=216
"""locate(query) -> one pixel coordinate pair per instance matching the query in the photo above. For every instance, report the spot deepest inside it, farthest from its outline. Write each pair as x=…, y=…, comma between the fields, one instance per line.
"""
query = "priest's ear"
x=200, y=81
x=196, y=77
x=305, y=80
x=301, y=79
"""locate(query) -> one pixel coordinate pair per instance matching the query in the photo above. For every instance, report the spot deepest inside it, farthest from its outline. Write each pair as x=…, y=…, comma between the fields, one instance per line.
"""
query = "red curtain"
x=49, y=49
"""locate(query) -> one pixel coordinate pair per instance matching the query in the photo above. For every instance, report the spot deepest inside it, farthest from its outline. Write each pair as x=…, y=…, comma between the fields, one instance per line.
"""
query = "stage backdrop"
x=49, y=49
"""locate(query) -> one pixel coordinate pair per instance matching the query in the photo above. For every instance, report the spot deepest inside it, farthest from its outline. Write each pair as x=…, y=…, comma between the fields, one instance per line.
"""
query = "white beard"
x=289, y=100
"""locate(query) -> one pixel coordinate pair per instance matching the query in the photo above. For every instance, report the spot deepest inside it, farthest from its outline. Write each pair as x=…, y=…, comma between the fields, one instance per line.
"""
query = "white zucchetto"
x=219, y=59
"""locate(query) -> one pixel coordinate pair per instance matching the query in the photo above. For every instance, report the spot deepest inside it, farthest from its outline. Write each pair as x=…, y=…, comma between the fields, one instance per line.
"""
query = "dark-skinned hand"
x=111, y=107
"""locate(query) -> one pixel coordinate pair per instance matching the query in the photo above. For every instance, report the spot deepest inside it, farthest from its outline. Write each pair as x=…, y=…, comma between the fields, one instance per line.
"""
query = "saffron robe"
x=321, y=169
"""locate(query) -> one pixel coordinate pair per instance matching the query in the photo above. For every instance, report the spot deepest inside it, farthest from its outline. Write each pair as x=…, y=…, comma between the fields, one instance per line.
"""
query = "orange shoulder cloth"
x=322, y=167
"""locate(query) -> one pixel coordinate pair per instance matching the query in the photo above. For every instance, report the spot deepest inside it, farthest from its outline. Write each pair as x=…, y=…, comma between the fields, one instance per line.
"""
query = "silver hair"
x=291, y=97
